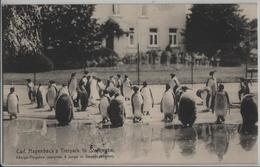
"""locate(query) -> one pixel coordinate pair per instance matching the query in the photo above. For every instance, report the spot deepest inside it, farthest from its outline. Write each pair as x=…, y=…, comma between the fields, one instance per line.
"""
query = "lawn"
x=153, y=74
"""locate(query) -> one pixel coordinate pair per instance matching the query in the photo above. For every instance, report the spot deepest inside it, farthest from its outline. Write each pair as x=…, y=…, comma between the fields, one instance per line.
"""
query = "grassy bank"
x=153, y=74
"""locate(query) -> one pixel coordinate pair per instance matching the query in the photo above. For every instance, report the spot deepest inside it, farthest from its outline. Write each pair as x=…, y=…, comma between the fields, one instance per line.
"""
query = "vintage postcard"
x=129, y=84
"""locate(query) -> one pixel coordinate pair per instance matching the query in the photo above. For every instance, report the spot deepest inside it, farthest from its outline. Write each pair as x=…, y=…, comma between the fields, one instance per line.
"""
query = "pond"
x=44, y=142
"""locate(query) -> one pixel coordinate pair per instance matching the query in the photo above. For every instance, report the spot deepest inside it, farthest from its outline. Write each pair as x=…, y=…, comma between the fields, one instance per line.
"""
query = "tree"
x=20, y=32
x=22, y=46
x=69, y=33
x=213, y=27
x=109, y=30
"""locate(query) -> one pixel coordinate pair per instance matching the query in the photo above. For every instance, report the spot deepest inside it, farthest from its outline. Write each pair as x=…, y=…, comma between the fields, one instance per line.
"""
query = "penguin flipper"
x=7, y=101
x=132, y=103
x=151, y=97
x=161, y=106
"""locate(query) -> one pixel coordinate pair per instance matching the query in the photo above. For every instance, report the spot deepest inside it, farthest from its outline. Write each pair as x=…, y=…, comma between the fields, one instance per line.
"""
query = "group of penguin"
x=178, y=100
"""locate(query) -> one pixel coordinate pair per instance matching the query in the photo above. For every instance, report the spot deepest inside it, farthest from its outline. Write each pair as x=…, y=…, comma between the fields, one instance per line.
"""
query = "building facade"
x=153, y=27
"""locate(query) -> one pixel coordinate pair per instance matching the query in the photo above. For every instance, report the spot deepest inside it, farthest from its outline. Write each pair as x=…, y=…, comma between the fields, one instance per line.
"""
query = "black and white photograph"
x=129, y=83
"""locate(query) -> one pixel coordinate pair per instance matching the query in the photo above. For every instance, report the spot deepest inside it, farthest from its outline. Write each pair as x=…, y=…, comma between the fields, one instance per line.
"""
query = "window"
x=173, y=36
x=131, y=36
x=115, y=9
x=153, y=37
x=143, y=10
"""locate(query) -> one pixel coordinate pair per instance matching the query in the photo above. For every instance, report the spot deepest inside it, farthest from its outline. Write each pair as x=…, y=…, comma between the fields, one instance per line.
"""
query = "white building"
x=152, y=26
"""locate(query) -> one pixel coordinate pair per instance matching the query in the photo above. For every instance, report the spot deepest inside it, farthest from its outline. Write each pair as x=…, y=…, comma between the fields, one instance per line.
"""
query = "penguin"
x=187, y=108
x=12, y=103
x=64, y=109
x=39, y=97
x=137, y=105
x=174, y=82
x=119, y=81
x=113, y=80
x=94, y=94
x=31, y=90
x=100, y=87
x=83, y=81
x=103, y=106
x=168, y=104
x=212, y=84
x=222, y=104
x=83, y=97
x=204, y=94
x=249, y=111
x=72, y=86
x=116, y=110
x=148, y=98
x=244, y=87
x=127, y=88
x=63, y=90
x=51, y=95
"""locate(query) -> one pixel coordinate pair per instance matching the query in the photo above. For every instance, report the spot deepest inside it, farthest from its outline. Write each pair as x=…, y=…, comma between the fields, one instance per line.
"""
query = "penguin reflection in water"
x=186, y=138
x=137, y=105
x=247, y=137
x=12, y=103
x=168, y=104
x=219, y=141
x=222, y=104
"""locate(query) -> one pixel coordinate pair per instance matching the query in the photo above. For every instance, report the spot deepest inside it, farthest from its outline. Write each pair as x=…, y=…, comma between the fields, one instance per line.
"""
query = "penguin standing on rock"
x=64, y=109
x=168, y=104
x=137, y=105
x=187, y=108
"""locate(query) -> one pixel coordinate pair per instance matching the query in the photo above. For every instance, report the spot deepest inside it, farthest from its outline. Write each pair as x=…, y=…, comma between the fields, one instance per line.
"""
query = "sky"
x=250, y=10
